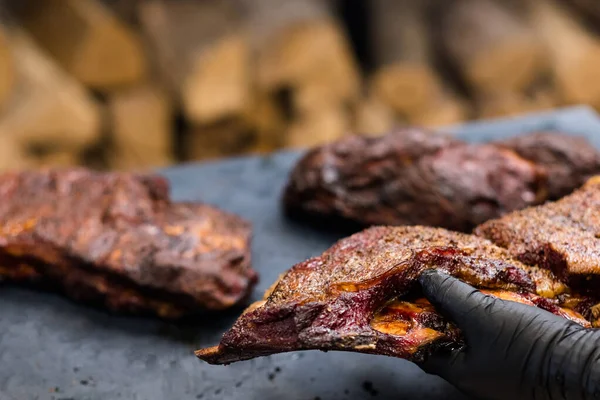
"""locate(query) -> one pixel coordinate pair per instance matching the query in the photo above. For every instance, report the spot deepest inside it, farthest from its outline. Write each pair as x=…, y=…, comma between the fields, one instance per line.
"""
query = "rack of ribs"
x=561, y=236
x=362, y=294
x=415, y=177
x=117, y=240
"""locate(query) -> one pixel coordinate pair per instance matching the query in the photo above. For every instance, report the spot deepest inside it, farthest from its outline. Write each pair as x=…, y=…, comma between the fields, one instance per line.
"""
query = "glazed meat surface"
x=117, y=240
x=563, y=236
x=347, y=178
x=569, y=160
x=413, y=178
x=362, y=295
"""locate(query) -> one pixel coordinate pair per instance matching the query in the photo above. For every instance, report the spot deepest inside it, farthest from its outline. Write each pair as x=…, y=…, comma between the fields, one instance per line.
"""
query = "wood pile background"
x=136, y=84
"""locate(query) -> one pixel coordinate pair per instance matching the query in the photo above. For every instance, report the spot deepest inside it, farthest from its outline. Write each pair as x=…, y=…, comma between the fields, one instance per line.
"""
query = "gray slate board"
x=51, y=348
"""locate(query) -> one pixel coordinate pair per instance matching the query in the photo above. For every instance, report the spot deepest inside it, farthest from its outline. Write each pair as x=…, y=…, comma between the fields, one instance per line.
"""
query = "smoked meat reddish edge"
x=569, y=160
x=561, y=236
x=117, y=240
x=362, y=295
x=415, y=177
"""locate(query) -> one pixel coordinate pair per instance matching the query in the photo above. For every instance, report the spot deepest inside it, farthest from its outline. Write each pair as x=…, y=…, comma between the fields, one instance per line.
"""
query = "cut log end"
x=218, y=84
x=373, y=117
x=224, y=138
x=7, y=69
x=511, y=103
x=47, y=106
x=316, y=129
x=408, y=89
x=142, y=134
x=448, y=110
x=506, y=66
x=309, y=51
x=573, y=50
x=580, y=85
x=87, y=39
x=491, y=46
x=111, y=58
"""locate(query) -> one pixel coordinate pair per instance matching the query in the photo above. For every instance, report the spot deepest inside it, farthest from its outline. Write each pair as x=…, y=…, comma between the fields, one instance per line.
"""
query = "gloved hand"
x=513, y=351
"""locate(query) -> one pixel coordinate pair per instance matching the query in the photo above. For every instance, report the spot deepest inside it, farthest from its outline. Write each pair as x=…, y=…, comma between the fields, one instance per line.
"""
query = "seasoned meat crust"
x=117, y=239
x=569, y=160
x=562, y=236
x=413, y=177
x=362, y=295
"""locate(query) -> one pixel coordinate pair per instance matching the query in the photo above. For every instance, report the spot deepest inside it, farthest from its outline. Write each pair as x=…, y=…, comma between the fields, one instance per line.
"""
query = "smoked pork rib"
x=411, y=177
x=117, y=239
x=414, y=177
x=561, y=236
x=362, y=295
x=348, y=178
x=569, y=160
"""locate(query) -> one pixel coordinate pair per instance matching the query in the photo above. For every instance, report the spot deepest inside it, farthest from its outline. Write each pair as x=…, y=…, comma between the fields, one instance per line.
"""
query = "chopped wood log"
x=7, y=68
x=491, y=46
x=373, y=117
x=142, y=128
x=220, y=83
x=260, y=130
x=405, y=79
x=589, y=9
x=202, y=54
x=224, y=138
x=60, y=158
x=447, y=110
x=266, y=119
x=505, y=104
x=408, y=89
x=301, y=50
x=299, y=44
x=87, y=39
x=47, y=106
x=12, y=155
x=314, y=129
x=126, y=10
x=313, y=97
x=574, y=52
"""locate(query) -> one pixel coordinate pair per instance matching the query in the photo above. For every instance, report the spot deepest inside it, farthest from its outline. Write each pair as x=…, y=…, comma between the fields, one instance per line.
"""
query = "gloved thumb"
x=455, y=300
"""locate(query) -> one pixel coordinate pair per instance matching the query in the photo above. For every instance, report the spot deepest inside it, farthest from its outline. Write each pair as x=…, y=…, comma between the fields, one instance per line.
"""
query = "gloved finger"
x=454, y=299
x=448, y=364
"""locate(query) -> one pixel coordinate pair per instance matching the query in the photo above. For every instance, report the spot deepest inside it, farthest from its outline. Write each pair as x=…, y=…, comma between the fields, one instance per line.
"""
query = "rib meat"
x=413, y=177
x=562, y=236
x=569, y=160
x=117, y=239
x=362, y=295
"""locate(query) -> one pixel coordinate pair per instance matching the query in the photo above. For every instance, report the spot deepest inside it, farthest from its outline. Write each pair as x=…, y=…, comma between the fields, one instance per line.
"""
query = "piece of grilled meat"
x=362, y=295
x=413, y=177
x=561, y=236
x=569, y=160
x=116, y=239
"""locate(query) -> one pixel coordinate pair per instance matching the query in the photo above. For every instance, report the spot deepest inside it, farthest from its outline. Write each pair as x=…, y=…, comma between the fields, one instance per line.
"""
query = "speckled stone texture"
x=51, y=348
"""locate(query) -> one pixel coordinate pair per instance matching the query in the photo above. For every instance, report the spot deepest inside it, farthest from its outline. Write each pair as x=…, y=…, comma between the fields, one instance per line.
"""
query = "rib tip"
x=208, y=354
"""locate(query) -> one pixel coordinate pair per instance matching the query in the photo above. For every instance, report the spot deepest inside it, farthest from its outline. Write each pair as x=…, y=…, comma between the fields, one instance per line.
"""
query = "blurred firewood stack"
x=135, y=84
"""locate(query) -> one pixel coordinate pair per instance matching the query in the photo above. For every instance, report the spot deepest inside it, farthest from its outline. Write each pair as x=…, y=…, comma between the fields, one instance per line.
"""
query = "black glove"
x=513, y=351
